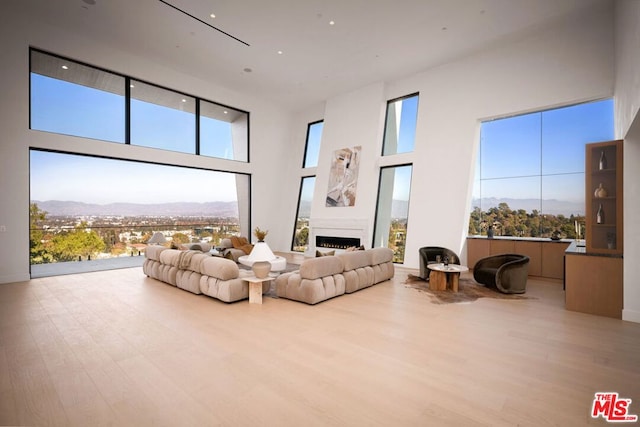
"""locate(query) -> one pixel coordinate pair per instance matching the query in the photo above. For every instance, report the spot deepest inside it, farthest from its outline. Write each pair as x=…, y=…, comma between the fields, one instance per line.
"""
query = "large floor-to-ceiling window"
x=90, y=207
x=300, y=241
x=529, y=178
x=392, y=209
x=85, y=207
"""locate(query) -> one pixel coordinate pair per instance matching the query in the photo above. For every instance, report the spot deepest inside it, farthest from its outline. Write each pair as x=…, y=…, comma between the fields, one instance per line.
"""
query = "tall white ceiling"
x=370, y=41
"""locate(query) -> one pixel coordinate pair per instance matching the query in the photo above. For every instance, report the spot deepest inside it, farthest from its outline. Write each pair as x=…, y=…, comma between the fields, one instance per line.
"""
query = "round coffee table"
x=445, y=276
x=277, y=264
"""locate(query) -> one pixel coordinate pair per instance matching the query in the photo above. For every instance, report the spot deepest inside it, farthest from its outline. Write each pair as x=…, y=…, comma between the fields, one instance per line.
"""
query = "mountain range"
x=70, y=208
x=230, y=209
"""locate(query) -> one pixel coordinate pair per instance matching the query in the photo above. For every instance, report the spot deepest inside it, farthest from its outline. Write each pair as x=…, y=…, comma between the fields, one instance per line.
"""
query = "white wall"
x=627, y=101
x=627, y=61
x=568, y=62
x=269, y=133
x=352, y=119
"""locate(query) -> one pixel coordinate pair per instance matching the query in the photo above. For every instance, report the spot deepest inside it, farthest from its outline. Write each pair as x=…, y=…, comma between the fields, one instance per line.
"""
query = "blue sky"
x=57, y=176
x=72, y=109
x=509, y=149
x=406, y=141
x=541, y=155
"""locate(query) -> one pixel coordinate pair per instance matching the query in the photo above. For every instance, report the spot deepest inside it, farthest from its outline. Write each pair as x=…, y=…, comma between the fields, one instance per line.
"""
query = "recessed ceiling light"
x=213, y=15
x=332, y=22
x=132, y=86
x=247, y=70
x=444, y=28
x=279, y=52
x=184, y=100
x=64, y=67
x=225, y=112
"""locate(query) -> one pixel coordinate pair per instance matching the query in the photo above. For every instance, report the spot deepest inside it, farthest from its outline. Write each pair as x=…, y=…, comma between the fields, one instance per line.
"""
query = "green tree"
x=38, y=251
x=302, y=237
x=179, y=238
x=68, y=246
x=508, y=222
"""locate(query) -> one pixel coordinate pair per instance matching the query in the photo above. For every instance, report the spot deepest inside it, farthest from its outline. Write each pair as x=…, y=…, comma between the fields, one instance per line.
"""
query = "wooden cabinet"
x=553, y=259
x=603, y=198
x=546, y=258
x=476, y=249
x=534, y=251
x=594, y=284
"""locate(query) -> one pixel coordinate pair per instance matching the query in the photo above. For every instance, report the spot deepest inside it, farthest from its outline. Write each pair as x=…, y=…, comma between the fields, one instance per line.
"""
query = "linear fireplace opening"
x=334, y=242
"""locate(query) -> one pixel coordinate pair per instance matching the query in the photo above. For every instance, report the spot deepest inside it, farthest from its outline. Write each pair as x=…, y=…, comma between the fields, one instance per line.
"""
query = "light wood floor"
x=118, y=348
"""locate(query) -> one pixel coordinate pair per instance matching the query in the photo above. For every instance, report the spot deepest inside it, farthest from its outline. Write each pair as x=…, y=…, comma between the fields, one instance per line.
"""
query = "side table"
x=255, y=288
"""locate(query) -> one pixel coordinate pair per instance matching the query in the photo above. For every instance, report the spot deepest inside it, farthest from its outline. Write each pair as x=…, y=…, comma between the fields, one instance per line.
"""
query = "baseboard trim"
x=13, y=278
x=631, y=315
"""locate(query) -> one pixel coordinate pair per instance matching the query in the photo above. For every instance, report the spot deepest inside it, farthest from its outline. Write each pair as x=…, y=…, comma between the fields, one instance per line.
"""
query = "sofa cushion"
x=310, y=291
x=153, y=252
x=358, y=278
x=221, y=268
x=170, y=257
x=328, y=253
x=380, y=255
x=315, y=268
x=354, y=259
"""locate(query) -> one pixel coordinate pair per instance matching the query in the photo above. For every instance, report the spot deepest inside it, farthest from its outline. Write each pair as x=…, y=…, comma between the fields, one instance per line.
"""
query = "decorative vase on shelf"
x=603, y=161
x=600, y=192
x=600, y=215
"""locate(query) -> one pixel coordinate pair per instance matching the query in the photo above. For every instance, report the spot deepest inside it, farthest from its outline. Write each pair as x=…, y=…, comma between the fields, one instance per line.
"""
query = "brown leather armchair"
x=506, y=272
x=428, y=256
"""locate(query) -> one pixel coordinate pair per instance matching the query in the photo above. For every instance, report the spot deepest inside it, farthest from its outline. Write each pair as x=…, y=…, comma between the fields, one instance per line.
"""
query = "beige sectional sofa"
x=199, y=273
x=322, y=278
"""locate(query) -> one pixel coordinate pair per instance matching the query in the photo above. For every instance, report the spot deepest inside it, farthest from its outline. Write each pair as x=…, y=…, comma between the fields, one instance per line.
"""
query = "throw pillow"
x=329, y=253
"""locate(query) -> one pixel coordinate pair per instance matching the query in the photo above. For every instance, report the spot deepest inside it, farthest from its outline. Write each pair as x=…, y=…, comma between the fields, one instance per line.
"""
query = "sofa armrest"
x=513, y=274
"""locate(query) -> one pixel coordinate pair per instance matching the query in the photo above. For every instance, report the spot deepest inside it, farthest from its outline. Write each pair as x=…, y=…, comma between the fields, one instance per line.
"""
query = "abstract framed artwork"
x=343, y=177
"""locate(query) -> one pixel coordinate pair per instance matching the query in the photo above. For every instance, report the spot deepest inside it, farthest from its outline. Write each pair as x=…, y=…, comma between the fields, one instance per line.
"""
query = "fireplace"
x=337, y=233
x=334, y=242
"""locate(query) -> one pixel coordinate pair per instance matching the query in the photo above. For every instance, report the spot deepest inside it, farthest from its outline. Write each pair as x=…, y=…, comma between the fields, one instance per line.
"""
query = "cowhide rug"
x=468, y=291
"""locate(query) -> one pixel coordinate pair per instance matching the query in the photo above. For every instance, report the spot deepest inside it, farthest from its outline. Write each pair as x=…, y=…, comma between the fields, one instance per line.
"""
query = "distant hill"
x=549, y=206
x=70, y=208
x=230, y=209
